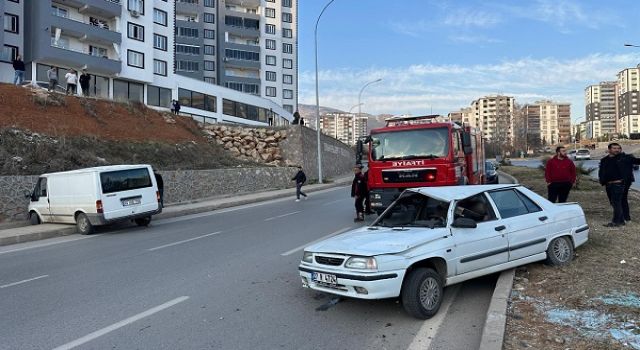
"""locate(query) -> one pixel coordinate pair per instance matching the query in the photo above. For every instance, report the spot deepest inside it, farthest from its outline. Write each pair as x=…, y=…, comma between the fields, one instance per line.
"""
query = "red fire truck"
x=420, y=151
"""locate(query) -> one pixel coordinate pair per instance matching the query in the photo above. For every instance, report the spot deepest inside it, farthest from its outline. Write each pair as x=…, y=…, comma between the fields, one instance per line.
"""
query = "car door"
x=525, y=222
x=481, y=247
x=40, y=199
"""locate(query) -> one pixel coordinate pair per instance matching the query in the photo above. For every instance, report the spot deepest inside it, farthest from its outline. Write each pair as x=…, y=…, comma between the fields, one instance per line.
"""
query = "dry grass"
x=596, y=272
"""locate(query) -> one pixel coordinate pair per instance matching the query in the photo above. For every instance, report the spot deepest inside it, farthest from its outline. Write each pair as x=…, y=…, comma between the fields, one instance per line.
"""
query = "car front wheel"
x=83, y=224
x=422, y=293
x=560, y=252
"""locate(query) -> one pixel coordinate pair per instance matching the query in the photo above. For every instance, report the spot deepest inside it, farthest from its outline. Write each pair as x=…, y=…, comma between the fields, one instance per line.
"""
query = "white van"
x=96, y=196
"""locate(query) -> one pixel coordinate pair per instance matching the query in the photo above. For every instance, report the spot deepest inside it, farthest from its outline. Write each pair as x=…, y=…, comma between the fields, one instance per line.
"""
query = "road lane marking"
x=33, y=245
x=283, y=215
x=334, y=202
x=183, y=241
x=89, y=337
x=430, y=327
x=342, y=230
x=23, y=281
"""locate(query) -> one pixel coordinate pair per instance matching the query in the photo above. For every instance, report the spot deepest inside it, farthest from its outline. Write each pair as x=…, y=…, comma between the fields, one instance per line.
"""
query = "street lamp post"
x=360, y=95
x=318, y=97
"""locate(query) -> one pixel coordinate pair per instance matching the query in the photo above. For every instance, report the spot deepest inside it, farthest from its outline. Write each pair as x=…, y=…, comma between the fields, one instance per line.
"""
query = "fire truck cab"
x=420, y=151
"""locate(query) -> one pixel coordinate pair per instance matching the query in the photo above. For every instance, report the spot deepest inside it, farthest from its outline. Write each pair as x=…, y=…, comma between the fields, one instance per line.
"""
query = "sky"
x=436, y=56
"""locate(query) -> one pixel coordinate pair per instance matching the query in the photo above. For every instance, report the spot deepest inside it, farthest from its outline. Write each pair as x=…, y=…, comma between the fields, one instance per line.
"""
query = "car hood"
x=369, y=242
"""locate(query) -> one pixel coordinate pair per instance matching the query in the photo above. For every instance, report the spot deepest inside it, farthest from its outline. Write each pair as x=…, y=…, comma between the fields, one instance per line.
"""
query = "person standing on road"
x=560, y=174
x=160, y=184
x=18, y=66
x=300, y=179
x=52, y=75
x=72, y=81
x=616, y=173
x=84, y=83
x=359, y=191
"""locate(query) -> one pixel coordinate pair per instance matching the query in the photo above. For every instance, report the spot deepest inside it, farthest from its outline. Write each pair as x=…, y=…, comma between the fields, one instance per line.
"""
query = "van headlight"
x=362, y=263
x=307, y=257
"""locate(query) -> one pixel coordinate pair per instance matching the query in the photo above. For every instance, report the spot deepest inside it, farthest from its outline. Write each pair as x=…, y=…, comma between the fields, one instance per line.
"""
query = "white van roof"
x=100, y=169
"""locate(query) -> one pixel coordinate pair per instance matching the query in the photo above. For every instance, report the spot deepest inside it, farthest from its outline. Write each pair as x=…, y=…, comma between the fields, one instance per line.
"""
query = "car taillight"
x=99, y=207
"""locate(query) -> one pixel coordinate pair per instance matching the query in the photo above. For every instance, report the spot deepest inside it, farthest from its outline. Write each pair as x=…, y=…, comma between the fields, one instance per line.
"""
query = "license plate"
x=324, y=278
x=129, y=202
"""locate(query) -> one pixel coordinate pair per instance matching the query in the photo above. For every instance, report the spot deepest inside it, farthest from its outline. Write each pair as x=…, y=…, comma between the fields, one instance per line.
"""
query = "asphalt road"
x=221, y=280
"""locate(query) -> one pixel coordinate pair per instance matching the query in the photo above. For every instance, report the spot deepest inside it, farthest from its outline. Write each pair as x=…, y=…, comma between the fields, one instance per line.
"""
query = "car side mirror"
x=464, y=223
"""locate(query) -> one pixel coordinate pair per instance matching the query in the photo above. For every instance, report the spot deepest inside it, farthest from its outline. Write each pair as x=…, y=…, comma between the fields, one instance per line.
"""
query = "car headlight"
x=307, y=257
x=377, y=196
x=362, y=263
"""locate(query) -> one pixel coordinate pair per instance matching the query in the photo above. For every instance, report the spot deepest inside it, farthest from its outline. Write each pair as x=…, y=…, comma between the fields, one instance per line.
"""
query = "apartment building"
x=464, y=115
x=600, y=105
x=11, y=37
x=628, y=95
x=494, y=116
x=346, y=127
x=153, y=52
x=548, y=122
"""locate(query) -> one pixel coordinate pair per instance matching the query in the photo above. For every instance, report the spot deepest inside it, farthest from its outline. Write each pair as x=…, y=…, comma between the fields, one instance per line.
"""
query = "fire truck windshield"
x=410, y=144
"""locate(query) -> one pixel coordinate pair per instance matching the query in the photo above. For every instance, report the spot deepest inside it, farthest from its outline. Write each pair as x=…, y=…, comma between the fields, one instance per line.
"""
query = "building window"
x=135, y=32
x=209, y=18
x=242, y=55
x=11, y=23
x=288, y=108
x=135, y=59
x=160, y=17
x=127, y=91
x=270, y=0
x=209, y=3
x=287, y=48
x=159, y=67
x=197, y=100
x=187, y=49
x=270, y=29
x=187, y=32
x=286, y=3
x=252, y=24
x=287, y=17
x=210, y=80
x=271, y=60
x=246, y=111
x=209, y=50
x=209, y=65
x=271, y=76
x=270, y=12
x=233, y=21
x=270, y=44
x=187, y=66
x=136, y=6
x=98, y=51
x=287, y=94
x=287, y=79
x=287, y=63
x=9, y=53
x=287, y=33
x=271, y=91
x=209, y=34
x=160, y=42
x=59, y=11
x=157, y=96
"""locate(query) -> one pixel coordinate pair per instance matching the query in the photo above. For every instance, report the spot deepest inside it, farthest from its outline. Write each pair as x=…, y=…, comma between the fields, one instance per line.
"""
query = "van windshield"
x=125, y=180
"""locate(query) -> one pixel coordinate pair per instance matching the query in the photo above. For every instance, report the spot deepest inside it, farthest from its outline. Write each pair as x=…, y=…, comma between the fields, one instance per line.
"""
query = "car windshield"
x=583, y=151
x=410, y=144
x=415, y=210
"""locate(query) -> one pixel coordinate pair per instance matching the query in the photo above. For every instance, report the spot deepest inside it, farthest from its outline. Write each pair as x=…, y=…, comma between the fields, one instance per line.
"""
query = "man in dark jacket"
x=359, y=191
x=560, y=174
x=84, y=82
x=300, y=179
x=616, y=173
x=18, y=67
x=160, y=184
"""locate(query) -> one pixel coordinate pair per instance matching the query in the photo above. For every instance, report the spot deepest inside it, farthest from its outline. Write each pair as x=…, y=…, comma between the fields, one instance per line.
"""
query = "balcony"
x=65, y=56
x=92, y=31
x=190, y=7
x=244, y=3
x=103, y=8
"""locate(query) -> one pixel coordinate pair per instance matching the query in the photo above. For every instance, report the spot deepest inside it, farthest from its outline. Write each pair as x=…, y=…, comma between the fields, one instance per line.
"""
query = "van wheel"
x=422, y=293
x=34, y=219
x=83, y=224
x=143, y=221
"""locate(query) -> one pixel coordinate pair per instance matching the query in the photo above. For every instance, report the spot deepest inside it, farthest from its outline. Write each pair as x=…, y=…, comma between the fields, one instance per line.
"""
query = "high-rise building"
x=628, y=95
x=346, y=127
x=465, y=115
x=600, y=105
x=494, y=116
x=548, y=122
x=12, y=37
x=208, y=54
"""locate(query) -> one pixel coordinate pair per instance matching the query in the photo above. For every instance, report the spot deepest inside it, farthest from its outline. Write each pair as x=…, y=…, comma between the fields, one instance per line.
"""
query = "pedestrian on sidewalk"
x=358, y=191
x=18, y=66
x=300, y=179
x=52, y=75
x=160, y=184
x=616, y=174
x=560, y=174
x=84, y=83
x=175, y=107
x=72, y=81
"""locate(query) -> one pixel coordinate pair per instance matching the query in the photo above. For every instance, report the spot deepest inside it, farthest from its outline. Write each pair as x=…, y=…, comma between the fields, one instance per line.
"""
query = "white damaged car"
x=433, y=237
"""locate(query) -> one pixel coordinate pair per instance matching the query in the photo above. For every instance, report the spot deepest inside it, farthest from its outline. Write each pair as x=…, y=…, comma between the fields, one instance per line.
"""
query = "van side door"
x=40, y=200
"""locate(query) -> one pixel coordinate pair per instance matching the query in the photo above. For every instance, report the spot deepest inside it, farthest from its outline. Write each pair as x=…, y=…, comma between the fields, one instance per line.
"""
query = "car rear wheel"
x=143, y=221
x=83, y=224
x=422, y=293
x=34, y=219
x=560, y=252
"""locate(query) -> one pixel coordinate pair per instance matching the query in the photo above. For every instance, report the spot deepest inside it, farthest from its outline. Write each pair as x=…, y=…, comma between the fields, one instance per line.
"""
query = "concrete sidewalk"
x=38, y=232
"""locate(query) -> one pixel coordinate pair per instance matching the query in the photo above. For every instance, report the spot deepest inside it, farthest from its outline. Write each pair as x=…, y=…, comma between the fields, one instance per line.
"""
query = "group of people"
x=615, y=173
x=72, y=80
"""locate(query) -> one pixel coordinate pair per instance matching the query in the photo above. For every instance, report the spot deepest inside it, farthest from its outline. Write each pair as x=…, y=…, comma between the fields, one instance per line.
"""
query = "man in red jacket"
x=560, y=174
